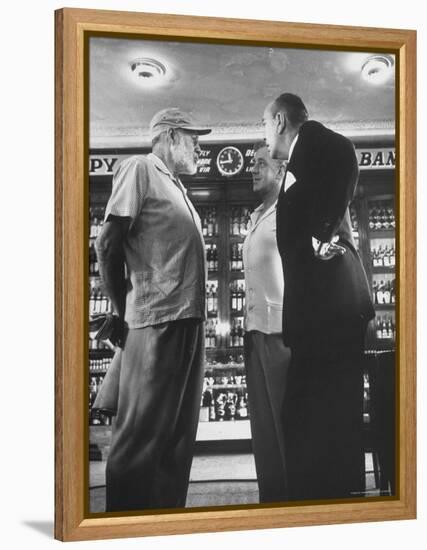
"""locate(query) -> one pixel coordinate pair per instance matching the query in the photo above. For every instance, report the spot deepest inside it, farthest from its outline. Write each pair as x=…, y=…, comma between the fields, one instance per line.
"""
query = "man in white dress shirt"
x=266, y=357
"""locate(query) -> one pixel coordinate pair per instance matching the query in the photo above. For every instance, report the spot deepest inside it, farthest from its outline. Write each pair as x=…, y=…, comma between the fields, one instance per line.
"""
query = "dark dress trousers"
x=327, y=306
x=158, y=409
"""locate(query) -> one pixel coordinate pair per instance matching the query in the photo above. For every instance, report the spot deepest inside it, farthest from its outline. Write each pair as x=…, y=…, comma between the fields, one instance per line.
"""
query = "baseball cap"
x=173, y=117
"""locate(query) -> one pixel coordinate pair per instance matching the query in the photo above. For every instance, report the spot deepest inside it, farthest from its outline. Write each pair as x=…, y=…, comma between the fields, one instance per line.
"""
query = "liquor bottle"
x=389, y=329
x=92, y=301
x=235, y=230
x=380, y=293
x=239, y=334
x=215, y=301
x=391, y=217
x=208, y=256
x=230, y=406
x=240, y=297
x=209, y=299
x=104, y=304
x=213, y=334
x=208, y=333
x=371, y=216
x=384, y=329
x=374, y=292
x=392, y=257
x=385, y=219
x=387, y=293
x=212, y=257
x=232, y=334
x=93, y=228
x=378, y=328
x=93, y=388
x=376, y=217
x=210, y=228
x=220, y=407
x=207, y=342
x=386, y=260
x=239, y=266
x=392, y=291
x=234, y=298
x=95, y=264
x=380, y=257
x=354, y=221
x=242, y=410
x=212, y=412
x=236, y=333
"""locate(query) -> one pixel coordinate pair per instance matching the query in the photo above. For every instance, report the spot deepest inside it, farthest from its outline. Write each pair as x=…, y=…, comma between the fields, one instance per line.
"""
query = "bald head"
x=282, y=120
x=293, y=106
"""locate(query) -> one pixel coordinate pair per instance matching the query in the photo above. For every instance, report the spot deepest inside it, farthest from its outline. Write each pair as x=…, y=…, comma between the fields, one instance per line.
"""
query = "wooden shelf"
x=384, y=269
x=382, y=234
x=382, y=344
x=237, y=238
x=224, y=366
x=384, y=307
x=225, y=386
x=100, y=353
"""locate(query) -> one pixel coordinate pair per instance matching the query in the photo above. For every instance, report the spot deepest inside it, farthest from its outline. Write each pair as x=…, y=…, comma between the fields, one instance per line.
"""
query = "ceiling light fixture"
x=147, y=69
x=377, y=69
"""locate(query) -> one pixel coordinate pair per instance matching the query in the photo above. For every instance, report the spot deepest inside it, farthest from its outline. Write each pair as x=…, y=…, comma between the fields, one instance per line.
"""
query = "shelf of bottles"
x=224, y=395
x=382, y=245
x=237, y=229
x=98, y=302
x=354, y=225
x=96, y=418
x=99, y=353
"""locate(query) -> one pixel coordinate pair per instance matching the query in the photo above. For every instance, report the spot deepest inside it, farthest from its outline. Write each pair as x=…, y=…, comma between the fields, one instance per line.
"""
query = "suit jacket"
x=320, y=295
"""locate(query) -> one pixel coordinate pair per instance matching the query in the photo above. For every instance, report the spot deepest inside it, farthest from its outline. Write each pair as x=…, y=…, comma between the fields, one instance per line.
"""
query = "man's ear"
x=281, y=172
x=173, y=134
x=281, y=122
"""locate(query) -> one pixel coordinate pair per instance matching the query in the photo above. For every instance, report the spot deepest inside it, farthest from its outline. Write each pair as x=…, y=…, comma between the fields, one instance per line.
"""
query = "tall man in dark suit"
x=327, y=304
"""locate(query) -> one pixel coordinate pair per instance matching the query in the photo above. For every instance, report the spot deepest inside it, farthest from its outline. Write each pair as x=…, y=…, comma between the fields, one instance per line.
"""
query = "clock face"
x=229, y=161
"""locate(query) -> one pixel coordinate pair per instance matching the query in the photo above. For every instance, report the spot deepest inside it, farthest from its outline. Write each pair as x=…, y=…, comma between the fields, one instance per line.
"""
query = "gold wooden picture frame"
x=73, y=521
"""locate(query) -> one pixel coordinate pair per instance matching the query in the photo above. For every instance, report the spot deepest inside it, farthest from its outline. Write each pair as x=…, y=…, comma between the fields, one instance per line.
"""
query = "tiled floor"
x=215, y=480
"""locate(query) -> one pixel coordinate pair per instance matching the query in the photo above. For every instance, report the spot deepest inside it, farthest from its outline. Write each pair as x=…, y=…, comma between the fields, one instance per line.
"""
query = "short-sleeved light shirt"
x=263, y=274
x=164, y=247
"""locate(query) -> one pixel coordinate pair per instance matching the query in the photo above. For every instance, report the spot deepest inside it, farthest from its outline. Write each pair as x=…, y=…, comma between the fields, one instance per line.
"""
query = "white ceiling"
x=227, y=87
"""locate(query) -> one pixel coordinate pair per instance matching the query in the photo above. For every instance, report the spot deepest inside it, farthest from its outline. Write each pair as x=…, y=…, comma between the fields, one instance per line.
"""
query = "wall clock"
x=229, y=161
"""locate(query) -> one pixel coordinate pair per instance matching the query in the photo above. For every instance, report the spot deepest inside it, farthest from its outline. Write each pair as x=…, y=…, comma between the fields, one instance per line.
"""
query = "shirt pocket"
x=274, y=317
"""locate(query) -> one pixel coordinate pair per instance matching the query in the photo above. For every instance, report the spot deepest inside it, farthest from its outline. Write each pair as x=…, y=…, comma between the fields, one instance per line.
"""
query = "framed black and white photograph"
x=235, y=286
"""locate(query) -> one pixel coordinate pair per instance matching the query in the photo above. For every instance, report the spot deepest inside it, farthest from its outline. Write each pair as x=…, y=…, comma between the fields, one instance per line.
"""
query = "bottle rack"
x=381, y=252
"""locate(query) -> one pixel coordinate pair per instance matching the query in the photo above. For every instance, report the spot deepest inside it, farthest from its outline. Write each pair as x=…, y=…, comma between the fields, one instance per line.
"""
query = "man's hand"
x=327, y=251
